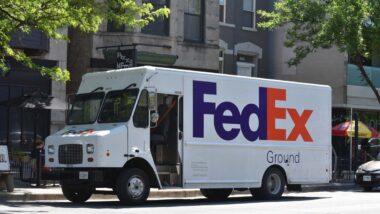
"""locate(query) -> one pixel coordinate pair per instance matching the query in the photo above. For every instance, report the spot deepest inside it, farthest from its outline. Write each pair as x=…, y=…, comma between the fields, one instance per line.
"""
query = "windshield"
x=85, y=108
x=118, y=106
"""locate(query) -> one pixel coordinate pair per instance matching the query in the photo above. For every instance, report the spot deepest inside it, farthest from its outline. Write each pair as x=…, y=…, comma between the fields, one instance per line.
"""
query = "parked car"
x=367, y=175
x=373, y=147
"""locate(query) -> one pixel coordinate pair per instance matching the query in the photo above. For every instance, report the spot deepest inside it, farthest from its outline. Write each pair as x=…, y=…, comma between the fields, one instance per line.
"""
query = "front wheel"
x=77, y=193
x=216, y=194
x=132, y=187
x=272, y=185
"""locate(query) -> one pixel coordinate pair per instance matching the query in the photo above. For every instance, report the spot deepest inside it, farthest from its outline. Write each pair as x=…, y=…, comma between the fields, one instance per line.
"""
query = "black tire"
x=77, y=193
x=272, y=185
x=132, y=187
x=367, y=189
x=216, y=194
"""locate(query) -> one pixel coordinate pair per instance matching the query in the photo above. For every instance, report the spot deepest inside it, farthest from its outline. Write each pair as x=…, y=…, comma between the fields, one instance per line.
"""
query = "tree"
x=49, y=16
x=353, y=26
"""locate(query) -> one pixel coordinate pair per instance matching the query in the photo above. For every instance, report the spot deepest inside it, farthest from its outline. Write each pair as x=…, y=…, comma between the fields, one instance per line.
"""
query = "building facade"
x=187, y=39
x=243, y=46
x=19, y=126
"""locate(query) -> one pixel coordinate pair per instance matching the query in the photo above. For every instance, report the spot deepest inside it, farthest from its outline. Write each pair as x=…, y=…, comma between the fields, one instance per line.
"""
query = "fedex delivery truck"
x=149, y=127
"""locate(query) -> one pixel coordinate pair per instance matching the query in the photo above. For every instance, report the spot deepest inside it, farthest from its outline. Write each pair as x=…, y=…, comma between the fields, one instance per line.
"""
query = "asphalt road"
x=353, y=201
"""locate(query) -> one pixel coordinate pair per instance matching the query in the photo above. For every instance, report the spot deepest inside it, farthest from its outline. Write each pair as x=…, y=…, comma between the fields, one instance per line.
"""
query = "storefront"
x=348, y=154
x=19, y=127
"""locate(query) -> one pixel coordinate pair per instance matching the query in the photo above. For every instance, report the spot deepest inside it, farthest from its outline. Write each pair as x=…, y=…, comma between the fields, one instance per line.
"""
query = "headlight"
x=90, y=148
x=51, y=150
x=360, y=170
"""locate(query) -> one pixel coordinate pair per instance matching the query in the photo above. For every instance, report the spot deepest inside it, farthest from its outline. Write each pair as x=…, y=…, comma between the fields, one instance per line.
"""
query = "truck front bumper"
x=95, y=177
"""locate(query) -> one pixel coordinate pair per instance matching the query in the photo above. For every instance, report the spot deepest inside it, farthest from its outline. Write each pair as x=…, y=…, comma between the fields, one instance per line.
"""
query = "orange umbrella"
x=347, y=129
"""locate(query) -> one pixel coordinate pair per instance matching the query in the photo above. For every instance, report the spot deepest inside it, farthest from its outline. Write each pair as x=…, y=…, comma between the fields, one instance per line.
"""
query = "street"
x=352, y=201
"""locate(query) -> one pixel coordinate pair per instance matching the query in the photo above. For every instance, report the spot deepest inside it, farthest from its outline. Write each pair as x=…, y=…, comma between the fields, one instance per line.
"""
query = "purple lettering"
x=245, y=116
x=200, y=108
x=221, y=118
x=228, y=113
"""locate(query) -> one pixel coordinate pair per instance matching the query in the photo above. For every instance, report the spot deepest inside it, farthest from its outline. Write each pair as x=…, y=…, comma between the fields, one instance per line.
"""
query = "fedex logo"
x=266, y=112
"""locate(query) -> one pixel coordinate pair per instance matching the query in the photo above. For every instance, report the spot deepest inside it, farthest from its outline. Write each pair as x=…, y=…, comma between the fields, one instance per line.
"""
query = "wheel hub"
x=274, y=184
x=135, y=187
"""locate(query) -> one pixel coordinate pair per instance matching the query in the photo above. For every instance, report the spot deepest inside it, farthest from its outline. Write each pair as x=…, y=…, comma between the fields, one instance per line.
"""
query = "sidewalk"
x=55, y=193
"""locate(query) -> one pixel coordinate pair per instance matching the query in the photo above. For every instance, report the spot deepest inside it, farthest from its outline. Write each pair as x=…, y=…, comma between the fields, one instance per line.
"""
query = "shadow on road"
x=156, y=203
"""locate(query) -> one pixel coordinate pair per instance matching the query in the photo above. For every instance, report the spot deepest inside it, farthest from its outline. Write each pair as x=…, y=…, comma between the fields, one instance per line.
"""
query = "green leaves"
x=351, y=25
x=49, y=16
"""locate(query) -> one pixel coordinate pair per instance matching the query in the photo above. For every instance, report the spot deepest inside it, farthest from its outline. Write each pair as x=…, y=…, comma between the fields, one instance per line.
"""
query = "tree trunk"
x=359, y=64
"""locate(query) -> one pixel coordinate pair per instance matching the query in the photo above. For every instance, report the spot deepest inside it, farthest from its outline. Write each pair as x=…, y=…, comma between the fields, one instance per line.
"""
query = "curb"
x=27, y=196
x=180, y=193
x=329, y=187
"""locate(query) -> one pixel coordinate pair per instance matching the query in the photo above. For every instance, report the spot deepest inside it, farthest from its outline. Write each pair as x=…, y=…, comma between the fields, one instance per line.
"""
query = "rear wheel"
x=132, y=187
x=272, y=185
x=216, y=194
x=77, y=193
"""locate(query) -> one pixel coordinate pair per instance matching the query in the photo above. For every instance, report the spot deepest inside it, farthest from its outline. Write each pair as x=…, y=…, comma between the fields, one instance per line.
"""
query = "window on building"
x=193, y=27
x=222, y=10
x=161, y=25
x=113, y=27
x=246, y=65
x=245, y=58
x=249, y=19
x=221, y=61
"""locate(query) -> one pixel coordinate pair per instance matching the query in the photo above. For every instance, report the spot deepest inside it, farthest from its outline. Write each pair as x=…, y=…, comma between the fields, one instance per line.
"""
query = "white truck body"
x=231, y=131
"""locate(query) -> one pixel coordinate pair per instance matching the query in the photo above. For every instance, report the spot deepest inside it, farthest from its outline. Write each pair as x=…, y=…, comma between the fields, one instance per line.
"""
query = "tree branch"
x=11, y=16
x=359, y=64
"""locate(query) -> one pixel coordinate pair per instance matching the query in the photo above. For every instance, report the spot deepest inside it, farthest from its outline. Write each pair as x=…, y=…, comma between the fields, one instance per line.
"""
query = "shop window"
x=193, y=27
x=249, y=19
x=161, y=25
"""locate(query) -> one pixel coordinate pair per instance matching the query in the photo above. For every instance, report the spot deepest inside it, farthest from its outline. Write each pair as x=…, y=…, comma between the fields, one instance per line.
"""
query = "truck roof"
x=188, y=72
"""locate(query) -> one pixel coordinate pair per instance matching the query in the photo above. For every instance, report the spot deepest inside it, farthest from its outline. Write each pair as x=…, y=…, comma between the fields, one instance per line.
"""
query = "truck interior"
x=166, y=140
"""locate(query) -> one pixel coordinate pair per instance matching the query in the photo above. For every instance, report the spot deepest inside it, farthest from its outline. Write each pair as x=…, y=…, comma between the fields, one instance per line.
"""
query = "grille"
x=70, y=154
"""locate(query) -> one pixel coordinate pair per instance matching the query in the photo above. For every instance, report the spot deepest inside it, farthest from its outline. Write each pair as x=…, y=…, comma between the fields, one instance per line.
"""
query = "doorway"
x=166, y=140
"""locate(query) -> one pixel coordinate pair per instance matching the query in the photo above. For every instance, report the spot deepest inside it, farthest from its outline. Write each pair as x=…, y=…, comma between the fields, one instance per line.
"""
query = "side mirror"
x=153, y=109
x=153, y=101
x=154, y=117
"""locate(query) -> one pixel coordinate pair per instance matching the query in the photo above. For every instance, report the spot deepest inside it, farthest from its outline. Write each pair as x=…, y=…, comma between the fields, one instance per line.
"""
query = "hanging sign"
x=4, y=158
